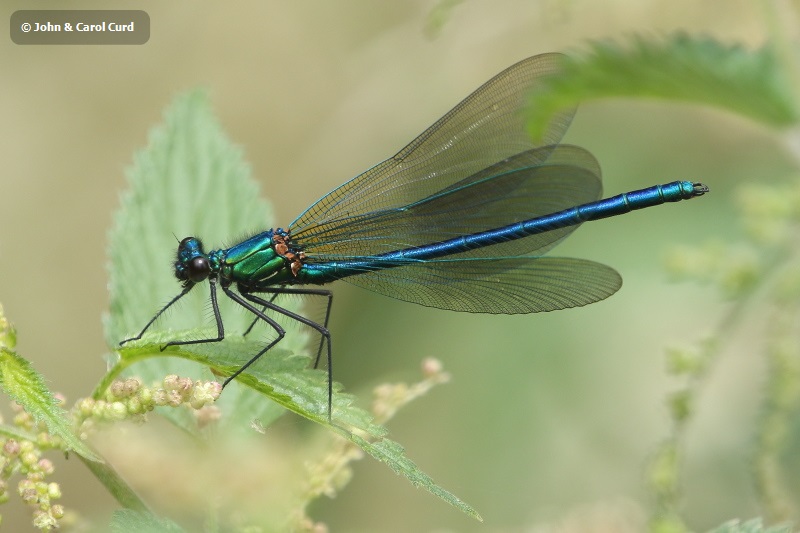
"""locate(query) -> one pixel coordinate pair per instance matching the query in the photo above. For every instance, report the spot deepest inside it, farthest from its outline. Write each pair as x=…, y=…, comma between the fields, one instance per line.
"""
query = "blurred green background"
x=315, y=93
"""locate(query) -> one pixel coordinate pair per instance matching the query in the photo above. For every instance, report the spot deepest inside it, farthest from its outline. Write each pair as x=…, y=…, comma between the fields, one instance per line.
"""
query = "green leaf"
x=286, y=379
x=26, y=387
x=390, y=452
x=681, y=67
x=190, y=180
x=126, y=520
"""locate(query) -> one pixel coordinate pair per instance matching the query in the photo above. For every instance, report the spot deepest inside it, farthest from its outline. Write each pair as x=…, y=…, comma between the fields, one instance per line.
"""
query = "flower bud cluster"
x=23, y=456
x=128, y=399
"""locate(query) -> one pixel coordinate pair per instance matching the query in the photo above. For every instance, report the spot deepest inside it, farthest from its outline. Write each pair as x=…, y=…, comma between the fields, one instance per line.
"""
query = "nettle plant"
x=190, y=164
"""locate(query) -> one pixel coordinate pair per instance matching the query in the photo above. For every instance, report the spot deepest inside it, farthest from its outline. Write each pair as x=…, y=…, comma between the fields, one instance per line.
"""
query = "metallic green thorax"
x=255, y=263
x=258, y=262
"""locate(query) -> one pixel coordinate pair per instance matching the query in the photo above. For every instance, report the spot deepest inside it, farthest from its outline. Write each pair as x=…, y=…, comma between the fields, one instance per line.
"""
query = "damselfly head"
x=192, y=265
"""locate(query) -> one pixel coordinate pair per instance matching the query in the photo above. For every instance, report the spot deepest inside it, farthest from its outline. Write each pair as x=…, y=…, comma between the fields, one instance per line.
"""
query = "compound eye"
x=199, y=269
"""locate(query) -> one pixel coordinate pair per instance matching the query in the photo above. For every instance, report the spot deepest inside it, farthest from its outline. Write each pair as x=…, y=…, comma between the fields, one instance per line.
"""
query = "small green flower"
x=44, y=520
x=53, y=491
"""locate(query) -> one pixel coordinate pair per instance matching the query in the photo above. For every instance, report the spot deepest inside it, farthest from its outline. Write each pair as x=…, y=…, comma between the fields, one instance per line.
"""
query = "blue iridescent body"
x=460, y=219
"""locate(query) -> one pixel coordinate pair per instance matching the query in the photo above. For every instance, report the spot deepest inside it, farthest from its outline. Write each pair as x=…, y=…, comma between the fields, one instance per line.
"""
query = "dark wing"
x=485, y=129
x=499, y=286
x=537, y=182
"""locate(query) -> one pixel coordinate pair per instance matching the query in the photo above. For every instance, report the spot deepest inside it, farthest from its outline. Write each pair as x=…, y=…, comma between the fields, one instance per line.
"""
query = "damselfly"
x=459, y=219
